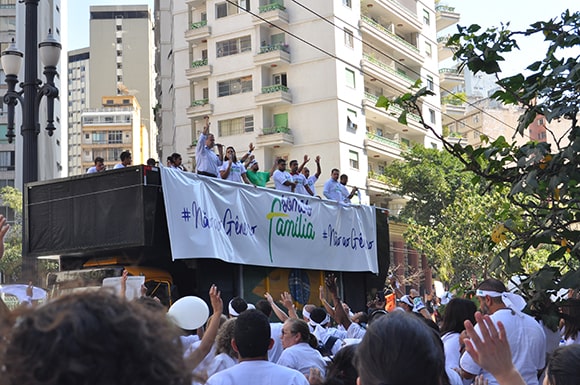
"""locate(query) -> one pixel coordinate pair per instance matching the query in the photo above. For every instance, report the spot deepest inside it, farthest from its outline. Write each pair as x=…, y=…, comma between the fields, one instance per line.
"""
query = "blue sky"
x=519, y=13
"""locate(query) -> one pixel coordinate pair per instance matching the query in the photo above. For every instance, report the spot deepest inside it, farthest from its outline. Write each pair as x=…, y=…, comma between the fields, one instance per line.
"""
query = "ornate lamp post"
x=31, y=92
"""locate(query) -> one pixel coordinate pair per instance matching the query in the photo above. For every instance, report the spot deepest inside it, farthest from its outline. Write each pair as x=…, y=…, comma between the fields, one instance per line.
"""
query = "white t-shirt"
x=302, y=357
x=277, y=349
x=279, y=178
x=310, y=182
x=221, y=362
x=300, y=182
x=451, y=347
x=258, y=373
x=527, y=344
x=119, y=165
x=236, y=171
x=332, y=190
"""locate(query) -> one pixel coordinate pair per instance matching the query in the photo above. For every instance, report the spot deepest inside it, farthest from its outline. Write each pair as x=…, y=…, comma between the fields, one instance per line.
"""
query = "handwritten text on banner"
x=242, y=224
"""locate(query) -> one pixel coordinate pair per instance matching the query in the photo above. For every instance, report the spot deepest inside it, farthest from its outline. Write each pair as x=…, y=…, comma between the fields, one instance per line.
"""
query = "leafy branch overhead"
x=541, y=179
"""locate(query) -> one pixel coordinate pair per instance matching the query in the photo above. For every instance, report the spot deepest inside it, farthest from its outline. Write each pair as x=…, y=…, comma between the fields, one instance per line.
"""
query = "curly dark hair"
x=93, y=338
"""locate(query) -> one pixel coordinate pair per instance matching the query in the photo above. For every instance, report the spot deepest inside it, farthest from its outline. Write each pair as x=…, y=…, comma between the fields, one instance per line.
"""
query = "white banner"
x=214, y=218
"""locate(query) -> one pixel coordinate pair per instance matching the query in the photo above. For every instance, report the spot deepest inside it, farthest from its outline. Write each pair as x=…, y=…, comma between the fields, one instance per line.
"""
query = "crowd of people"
x=101, y=338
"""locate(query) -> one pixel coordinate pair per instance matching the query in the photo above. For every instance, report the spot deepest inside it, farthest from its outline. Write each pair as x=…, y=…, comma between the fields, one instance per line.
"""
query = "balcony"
x=443, y=51
x=449, y=78
x=275, y=137
x=378, y=69
x=397, y=13
x=391, y=39
x=273, y=54
x=391, y=115
x=273, y=14
x=199, y=108
x=274, y=95
x=199, y=70
x=191, y=148
x=198, y=32
x=380, y=147
x=446, y=16
x=195, y=3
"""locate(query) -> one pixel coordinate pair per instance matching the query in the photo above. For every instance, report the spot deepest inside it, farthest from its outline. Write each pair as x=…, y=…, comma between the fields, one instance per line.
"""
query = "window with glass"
x=428, y=50
x=235, y=86
x=225, y=9
x=347, y=3
x=3, y=132
x=115, y=137
x=233, y=46
x=6, y=160
x=348, y=38
x=430, y=85
x=426, y=17
x=350, y=78
x=353, y=159
x=432, y=117
x=99, y=137
x=236, y=126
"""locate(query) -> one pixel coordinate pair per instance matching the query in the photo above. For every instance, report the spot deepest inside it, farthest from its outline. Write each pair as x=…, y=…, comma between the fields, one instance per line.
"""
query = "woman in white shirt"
x=299, y=348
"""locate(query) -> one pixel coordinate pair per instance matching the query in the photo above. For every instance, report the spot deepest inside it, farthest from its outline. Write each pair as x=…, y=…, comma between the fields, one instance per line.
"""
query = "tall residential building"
x=121, y=62
x=7, y=150
x=112, y=129
x=298, y=80
x=78, y=100
x=49, y=147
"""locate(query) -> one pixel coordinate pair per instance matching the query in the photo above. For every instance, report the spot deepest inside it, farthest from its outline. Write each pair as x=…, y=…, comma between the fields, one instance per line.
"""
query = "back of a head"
x=252, y=334
x=238, y=305
x=563, y=368
x=399, y=348
x=125, y=155
x=456, y=312
x=93, y=338
x=265, y=307
x=492, y=284
x=318, y=315
x=342, y=369
x=223, y=340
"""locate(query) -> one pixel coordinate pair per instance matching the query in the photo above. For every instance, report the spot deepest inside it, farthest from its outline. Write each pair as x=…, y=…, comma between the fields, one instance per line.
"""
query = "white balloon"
x=189, y=313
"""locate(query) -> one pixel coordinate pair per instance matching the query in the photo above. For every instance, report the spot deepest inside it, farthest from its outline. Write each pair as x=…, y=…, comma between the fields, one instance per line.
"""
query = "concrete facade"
x=294, y=82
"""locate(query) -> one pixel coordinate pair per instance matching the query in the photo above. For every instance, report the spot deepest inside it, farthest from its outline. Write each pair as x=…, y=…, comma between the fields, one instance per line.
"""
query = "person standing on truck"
x=98, y=167
x=126, y=160
x=208, y=162
x=301, y=182
x=346, y=197
x=311, y=179
x=282, y=179
x=257, y=177
x=332, y=187
x=233, y=169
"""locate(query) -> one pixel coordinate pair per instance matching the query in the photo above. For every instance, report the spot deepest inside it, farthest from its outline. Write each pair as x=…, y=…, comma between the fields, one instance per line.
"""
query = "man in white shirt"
x=297, y=176
x=252, y=341
x=98, y=167
x=126, y=160
x=311, y=179
x=332, y=187
x=282, y=179
x=207, y=161
x=525, y=336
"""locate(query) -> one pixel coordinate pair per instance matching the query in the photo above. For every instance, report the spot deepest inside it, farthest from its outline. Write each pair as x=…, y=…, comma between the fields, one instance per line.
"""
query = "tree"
x=11, y=262
x=543, y=179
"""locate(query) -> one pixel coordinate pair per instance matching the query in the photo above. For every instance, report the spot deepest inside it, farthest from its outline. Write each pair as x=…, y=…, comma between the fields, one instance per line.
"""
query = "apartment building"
x=78, y=100
x=298, y=80
x=112, y=129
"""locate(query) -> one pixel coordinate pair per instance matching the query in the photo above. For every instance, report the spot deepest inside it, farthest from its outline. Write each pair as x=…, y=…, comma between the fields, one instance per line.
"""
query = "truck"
x=98, y=224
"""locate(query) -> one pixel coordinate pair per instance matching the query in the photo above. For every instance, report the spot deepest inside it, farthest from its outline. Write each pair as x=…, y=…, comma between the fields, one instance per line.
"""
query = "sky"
x=488, y=13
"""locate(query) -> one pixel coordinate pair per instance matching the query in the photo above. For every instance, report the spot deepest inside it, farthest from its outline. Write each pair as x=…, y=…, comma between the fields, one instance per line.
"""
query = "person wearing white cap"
x=237, y=305
x=525, y=336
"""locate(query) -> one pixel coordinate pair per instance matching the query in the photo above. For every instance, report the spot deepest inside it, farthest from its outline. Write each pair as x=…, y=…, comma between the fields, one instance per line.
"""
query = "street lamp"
x=30, y=95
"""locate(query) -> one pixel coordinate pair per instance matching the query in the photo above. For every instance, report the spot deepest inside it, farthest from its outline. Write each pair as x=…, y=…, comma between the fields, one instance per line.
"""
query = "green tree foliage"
x=543, y=179
x=11, y=263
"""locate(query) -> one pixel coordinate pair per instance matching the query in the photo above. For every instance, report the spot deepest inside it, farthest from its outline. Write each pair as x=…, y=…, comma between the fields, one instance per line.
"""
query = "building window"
x=540, y=122
x=353, y=159
x=476, y=118
x=236, y=126
x=430, y=85
x=3, y=132
x=233, y=46
x=432, y=115
x=235, y=86
x=100, y=137
x=115, y=137
x=347, y=3
x=348, y=38
x=351, y=120
x=280, y=79
x=350, y=78
x=6, y=160
x=119, y=27
x=426, y=17
x=225, y=9
x=428, y=49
